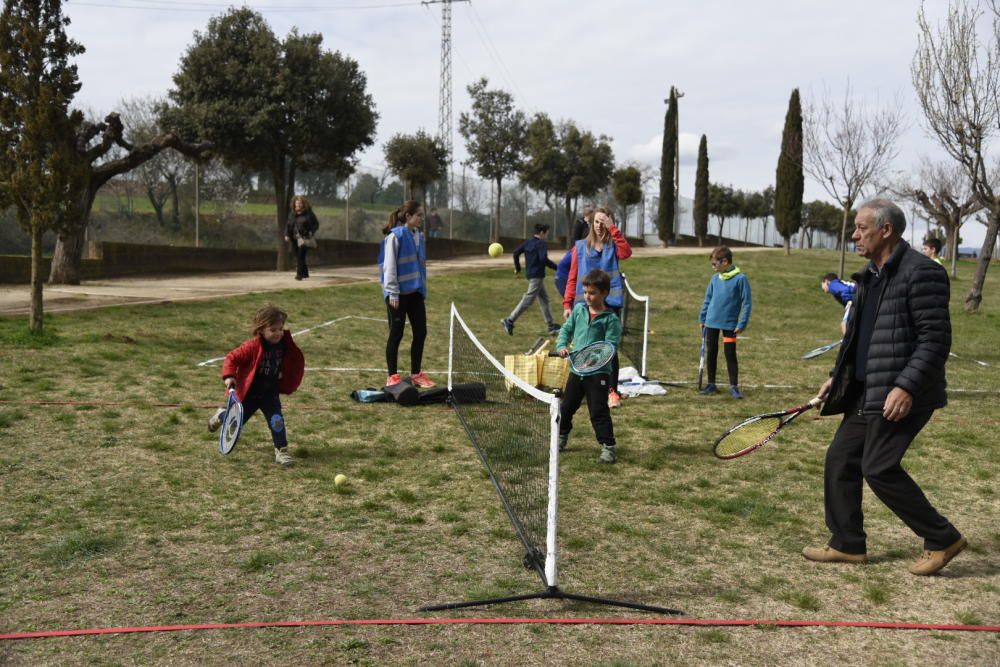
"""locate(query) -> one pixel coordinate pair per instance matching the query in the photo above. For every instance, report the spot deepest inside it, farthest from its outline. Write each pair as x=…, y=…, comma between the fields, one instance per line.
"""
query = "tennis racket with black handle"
x=753, y=433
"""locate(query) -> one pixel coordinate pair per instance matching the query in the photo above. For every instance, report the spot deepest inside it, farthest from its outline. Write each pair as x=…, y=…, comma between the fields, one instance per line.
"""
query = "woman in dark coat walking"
x=300, y=231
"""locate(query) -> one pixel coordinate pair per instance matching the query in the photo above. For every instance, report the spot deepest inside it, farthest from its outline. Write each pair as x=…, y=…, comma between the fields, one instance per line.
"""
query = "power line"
x=208, y=7
x=491, y=50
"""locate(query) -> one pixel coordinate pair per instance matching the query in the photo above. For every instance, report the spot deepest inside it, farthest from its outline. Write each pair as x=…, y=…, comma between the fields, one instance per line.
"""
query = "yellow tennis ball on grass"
x=495, y=250
x=340, y=480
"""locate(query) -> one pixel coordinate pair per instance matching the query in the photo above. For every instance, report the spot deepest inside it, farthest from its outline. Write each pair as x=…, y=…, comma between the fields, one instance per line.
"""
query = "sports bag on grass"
x=403, y=393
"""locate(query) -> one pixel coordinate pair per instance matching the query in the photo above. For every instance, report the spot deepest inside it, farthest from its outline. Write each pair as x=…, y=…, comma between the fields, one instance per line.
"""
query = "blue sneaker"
x=508, y=326
x=734, y=391
x=709, y=389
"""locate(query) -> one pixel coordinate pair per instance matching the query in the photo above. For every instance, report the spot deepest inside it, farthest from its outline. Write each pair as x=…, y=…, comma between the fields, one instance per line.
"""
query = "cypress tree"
x=665, y=215
x=701, y=193
x=788, y=179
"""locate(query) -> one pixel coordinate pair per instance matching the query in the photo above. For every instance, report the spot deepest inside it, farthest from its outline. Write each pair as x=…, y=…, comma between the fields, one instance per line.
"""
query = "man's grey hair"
x=886, y=212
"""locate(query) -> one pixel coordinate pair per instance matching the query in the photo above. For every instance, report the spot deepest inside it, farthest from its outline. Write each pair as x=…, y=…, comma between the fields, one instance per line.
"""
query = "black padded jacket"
x=911, y=339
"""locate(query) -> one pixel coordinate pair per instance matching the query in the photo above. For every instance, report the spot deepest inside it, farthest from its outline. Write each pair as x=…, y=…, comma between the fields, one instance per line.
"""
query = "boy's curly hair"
x=266, y=316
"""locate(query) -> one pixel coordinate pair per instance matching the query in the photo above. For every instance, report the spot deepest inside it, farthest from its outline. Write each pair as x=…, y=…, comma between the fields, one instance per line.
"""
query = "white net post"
x=551, y=577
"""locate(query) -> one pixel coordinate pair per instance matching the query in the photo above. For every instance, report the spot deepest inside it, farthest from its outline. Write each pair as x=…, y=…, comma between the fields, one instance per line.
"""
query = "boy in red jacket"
x=268, y=364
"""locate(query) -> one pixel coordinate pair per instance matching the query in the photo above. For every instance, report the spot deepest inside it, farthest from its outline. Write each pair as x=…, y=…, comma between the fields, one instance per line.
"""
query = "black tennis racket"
x=751, y=434
x=821, y=350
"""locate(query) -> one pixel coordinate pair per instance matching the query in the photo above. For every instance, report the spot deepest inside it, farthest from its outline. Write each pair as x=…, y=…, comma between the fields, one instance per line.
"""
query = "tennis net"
x=515, y=433
x=635, y=328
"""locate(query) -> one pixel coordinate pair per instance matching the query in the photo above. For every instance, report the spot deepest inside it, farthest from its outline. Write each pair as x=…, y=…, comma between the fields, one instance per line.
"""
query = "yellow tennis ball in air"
x=340, y=480
x=495, y=250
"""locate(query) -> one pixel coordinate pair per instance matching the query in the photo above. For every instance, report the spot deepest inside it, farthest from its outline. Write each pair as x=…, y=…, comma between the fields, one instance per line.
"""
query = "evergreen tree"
x=789, y=181
x=665, y=214
x=495, y=134
x=41, y=175
x=701, y=193
x=417, y=159
x=271, y=105
x=626, y=187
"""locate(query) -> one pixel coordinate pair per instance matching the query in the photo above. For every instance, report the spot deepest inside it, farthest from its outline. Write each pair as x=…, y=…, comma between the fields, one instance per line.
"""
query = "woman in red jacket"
x=268, y=364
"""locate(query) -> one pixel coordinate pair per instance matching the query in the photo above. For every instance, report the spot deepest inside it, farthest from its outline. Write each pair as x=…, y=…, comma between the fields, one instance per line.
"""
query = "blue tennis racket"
x=591, y=359
x=232, y=424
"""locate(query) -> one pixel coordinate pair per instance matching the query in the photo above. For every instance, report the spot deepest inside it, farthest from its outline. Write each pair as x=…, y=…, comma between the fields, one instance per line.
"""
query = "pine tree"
x=789, y=181
x=701, y=193
x=41, y=174
x=665, y=216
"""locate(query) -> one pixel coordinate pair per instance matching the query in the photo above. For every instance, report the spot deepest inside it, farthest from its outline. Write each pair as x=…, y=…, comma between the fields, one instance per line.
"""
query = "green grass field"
x=117, y=513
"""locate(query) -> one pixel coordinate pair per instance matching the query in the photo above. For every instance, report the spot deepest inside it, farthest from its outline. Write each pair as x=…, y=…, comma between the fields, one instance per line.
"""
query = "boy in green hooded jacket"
x=589, y=322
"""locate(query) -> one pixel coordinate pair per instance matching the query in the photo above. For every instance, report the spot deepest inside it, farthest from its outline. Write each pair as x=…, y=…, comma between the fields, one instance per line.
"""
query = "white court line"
x=333, y=369
x=209, y=362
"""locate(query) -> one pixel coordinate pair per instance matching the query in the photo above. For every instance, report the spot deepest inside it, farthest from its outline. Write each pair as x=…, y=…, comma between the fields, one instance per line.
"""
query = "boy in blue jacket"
x=726, y=309
x=536, y=258
x=843, y=293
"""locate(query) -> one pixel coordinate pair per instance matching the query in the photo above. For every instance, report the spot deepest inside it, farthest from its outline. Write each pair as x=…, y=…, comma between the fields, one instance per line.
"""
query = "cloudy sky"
x=606, y=65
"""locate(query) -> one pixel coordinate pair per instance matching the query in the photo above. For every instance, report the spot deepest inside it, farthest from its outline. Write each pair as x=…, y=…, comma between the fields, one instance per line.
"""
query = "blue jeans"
x=270, y=405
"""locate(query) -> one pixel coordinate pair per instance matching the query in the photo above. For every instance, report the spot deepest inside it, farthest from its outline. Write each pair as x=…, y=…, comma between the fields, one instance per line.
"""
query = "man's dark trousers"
x=870, y=448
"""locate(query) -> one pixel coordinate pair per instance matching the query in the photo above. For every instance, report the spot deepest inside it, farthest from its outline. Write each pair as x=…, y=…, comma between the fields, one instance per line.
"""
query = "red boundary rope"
x=504, y=621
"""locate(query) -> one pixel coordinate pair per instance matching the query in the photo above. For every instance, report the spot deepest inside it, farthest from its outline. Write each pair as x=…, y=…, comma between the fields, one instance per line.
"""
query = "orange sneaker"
x=421, y=380
x=614, y=399
x=393, y=379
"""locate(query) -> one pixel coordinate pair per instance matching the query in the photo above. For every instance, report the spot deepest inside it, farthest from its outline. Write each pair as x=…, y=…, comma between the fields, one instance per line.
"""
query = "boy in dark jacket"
x=536, y=258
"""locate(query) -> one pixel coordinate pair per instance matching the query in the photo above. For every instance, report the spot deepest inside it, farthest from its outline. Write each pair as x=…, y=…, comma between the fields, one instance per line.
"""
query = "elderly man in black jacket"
x=888, y=380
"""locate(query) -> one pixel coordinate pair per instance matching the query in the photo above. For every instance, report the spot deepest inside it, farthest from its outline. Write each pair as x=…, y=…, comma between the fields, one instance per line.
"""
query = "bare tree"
x=162, y=175
x=956, y=75
x=943, y=192
x=848, y=149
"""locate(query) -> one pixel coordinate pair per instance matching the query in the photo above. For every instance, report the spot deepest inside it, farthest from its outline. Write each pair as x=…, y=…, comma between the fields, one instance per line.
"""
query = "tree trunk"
x=788, y=245
x=568, y=208
x=69, y=243
x=281, y=204
x=843, y=242
x=496, y=232
x=953, y=247
x=37, y=314
x=156, y=203
x=175, y=216
x=746, y=233
x=975, y=295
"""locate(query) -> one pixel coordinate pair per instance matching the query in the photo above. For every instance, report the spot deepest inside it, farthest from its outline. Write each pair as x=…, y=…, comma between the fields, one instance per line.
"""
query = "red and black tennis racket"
x=755, y=432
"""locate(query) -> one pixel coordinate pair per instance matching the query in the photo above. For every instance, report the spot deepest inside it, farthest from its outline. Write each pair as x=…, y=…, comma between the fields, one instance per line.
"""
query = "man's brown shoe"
x=831, y=555
x=933, y=561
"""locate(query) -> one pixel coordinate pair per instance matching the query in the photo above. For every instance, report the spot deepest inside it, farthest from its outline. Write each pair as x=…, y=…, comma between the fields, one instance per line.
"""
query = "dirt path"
x=16, y=299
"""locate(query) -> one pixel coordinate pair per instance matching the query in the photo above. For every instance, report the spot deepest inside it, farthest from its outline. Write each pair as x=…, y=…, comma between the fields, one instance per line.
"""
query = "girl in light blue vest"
x=403, y=266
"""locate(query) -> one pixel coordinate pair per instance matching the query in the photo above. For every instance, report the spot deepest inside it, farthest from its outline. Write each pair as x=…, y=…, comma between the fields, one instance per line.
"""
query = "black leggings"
x=301, y=270
x=712, y=354
x=412, y=306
